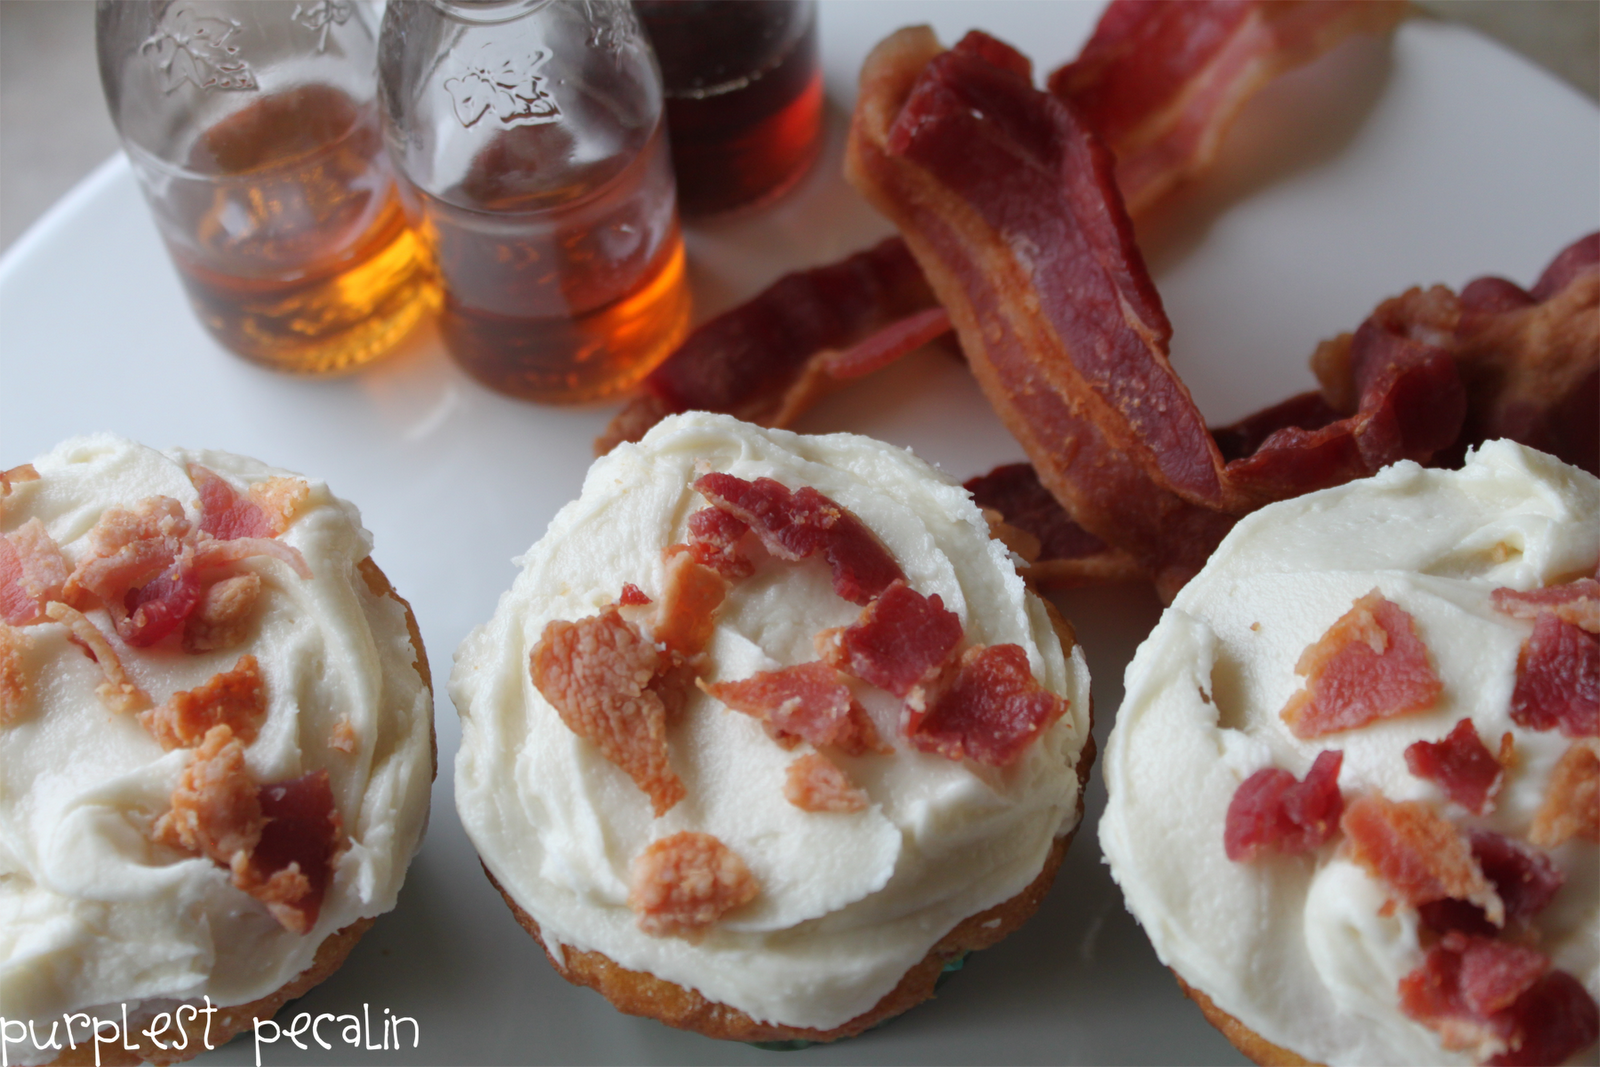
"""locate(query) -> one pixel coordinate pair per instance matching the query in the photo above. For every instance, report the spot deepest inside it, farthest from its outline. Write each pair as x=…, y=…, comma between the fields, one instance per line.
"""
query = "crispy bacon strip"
x=1577, y=603
x=1558, y=679
x=681, y=885
x=987, y=708
x=1461, y=765
x=1162, y=82
x=901, y=640
x=807, y=702
x=596, y=673
x=1067, y=554
x=118, y=692
x=235, y=698
x=1418, y=853
x=1273, y=812
x=814, y=783
x=1571, y=805
x=1370, y=665
x=15, y=688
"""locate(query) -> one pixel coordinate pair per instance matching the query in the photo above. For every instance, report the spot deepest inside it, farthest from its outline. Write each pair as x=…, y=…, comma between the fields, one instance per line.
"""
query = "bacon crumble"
x=118, y=692
x=684, y=617
x=215, y=810
x=986, y=707
x=901, y=640
x=806, y=702
x=1571, y=804
x=343, y=737
x=32, y=573
x=1369, y=665
x=815, y=783
x=1272, y=811
x=1418, y=853
x=596, y=673
x=1558, y=679
x=1576, y=602
x=714, y=537
x=236, y=699
x=1461, y=765
x=680, y=885
x=632, y=596
x=221, y=619
x=15, y=688
x=1526, y=879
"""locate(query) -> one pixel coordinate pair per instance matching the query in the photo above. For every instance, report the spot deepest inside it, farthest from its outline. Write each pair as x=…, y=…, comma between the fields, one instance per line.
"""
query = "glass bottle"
x=529, y=138
x=253, y=130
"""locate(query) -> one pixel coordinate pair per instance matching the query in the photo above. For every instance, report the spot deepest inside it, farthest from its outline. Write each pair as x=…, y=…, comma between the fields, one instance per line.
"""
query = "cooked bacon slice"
x=1370, y=665
x=216, y=810
x=680, y=885
x=1571, y=805
x=766, y=359
x=888, y=344
x=1273, y=812
x=901, y=639
x=796, y=525
x=236, y=699
x=32, y=573
x=596, y=672
x=684, y=618
x=1576, y=602
x=815, y=783
x=1461, y=765
x=1418, y=853
x=118, y=692
x=1525, y=879
x=714, y=539
x=265, y=510
x=632, y=596
x=987, y=708
x=15, y=688
x=1067, y=554
x=803, y=703
x=222, y=617
x=301, y=839
x=1558, y=679
x=1161, y=82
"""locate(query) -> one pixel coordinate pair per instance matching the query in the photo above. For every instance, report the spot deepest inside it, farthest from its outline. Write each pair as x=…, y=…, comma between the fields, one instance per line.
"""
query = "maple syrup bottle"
x=743, y=85
x=533, y=161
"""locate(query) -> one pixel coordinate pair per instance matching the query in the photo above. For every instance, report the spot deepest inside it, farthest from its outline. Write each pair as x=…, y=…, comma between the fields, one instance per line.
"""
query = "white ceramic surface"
x=1436, y=157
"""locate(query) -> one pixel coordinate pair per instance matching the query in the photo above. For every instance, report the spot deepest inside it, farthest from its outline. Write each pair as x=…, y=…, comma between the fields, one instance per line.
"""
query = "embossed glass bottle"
x=253, y=129
x=530, y=142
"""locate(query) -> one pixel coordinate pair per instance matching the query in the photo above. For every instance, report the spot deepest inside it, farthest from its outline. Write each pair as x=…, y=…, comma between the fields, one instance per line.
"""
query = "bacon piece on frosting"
x=216, y=810
x=1571, y=805
x=1418, y=853
x=1461, y=765
x=222, y=617
x=684, y=618
x=15, y=688
x=901, y=640
x=596, y=672
x=680, y=885
x=22, y=472
x=766, y=360
x=118, y=692
x=632, y=596
x=235, y=698
x=803, y=703
x=987, y=707
x=1525, y=878
x=1162, y=82
x=291, y=865
x=796, y=525
x=1273, y=812
x=1370, y=665
x=815, y=783
x=1554, y=1019
x=1576, y=602
x=1558, y=679
x=32, y=573
x=714, y=539
x=265, y=510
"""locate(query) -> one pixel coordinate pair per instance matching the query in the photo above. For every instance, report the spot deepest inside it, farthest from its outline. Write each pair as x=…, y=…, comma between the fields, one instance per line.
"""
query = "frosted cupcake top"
x=855, y=849
x=239, y=657
x=1320, y=940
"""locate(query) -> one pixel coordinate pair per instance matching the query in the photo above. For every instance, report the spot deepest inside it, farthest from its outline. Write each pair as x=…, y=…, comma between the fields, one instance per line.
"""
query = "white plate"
x=1432, y=158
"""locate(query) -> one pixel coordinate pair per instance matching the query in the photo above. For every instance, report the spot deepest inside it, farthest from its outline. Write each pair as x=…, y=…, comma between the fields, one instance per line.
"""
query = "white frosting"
x=1294, y=947
x=848, y=902
x=91, y=912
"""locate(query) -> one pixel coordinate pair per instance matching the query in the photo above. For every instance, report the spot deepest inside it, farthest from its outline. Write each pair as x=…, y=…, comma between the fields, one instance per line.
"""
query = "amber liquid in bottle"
x=563, y=292
x=744, y=97
x=289, y=237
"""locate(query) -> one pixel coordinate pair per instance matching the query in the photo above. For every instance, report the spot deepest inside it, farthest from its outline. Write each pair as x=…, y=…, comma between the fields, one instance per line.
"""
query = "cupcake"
x=1353, y=781
x=216, y=739
x=768, y=732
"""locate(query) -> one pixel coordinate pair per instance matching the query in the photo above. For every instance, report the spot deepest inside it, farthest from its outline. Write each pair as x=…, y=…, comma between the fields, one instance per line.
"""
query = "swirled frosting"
x=92, y=912
x=849, y=902
x=1300, y=948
